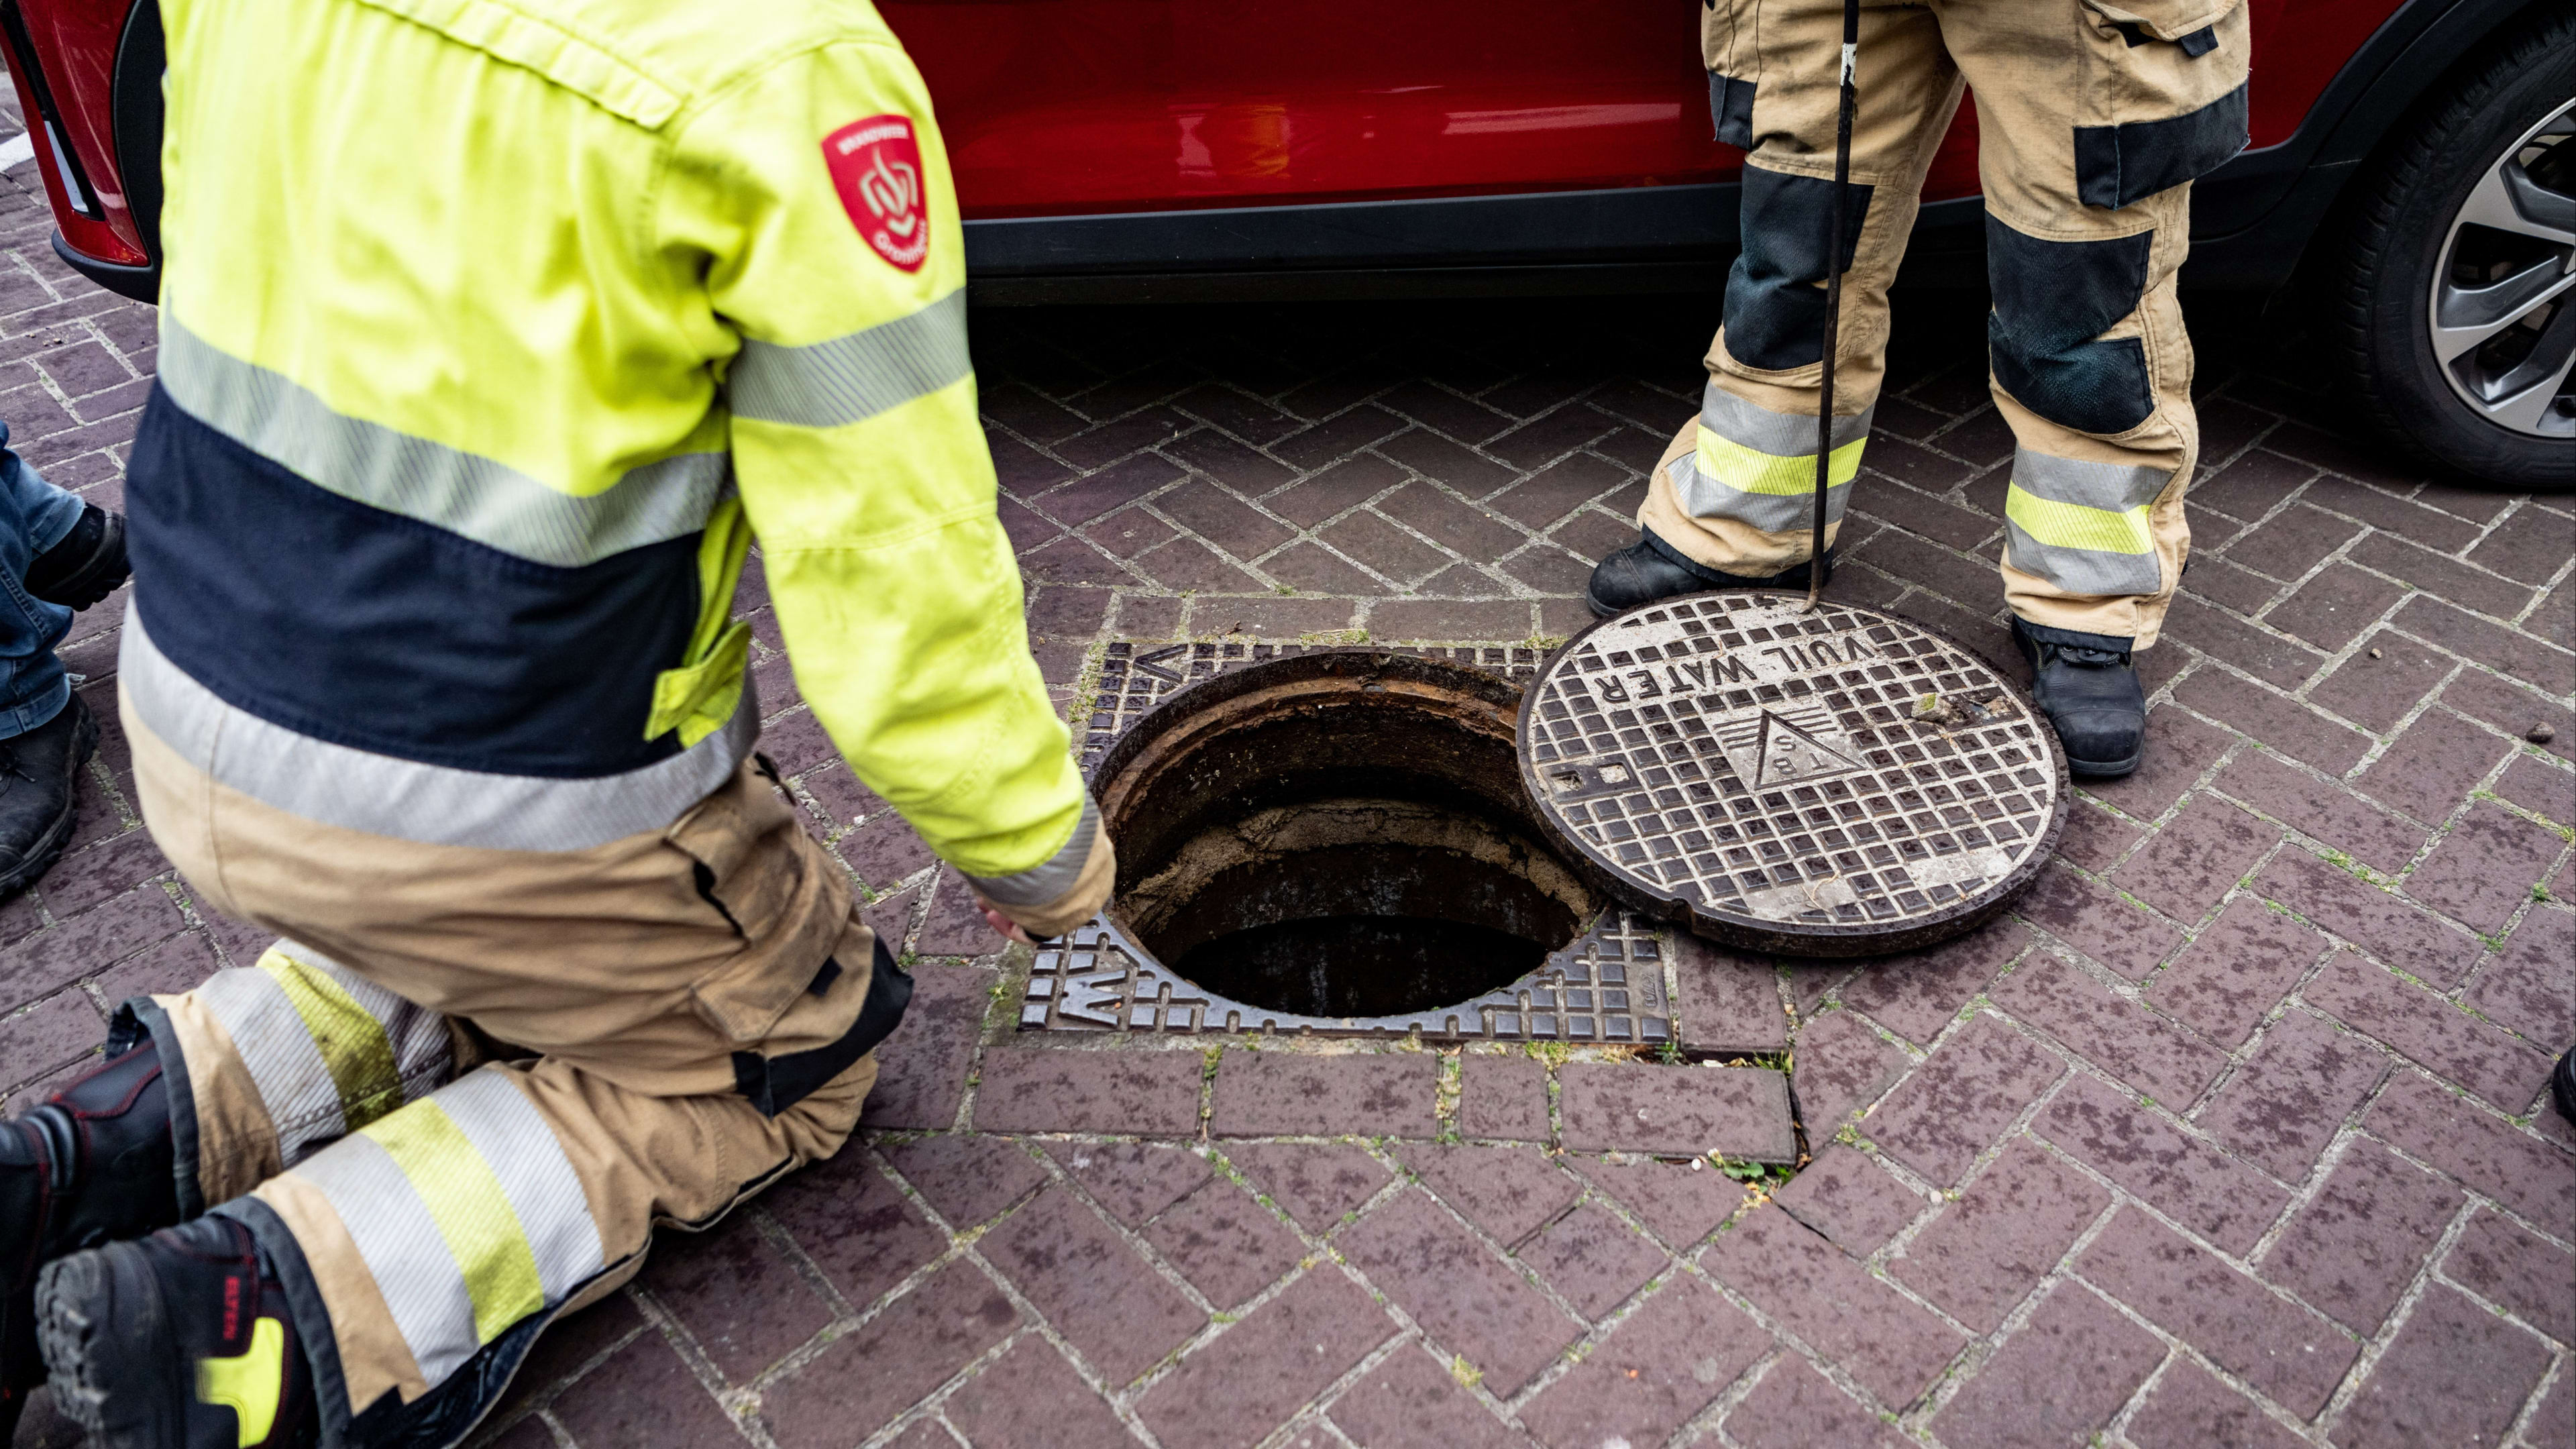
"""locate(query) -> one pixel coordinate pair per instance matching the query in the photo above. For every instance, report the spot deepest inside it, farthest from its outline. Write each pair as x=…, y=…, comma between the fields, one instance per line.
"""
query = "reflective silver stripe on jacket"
x=849, y=378
x=475, y=497
x=404, y=799
x=1051, y=878
x=1782, y=435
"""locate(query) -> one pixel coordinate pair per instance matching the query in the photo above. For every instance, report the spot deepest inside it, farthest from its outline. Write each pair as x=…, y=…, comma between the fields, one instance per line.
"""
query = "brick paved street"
x=2233, y=1134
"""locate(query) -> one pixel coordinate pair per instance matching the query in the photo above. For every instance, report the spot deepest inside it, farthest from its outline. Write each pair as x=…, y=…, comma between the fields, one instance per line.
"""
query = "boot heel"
x=102, y=1324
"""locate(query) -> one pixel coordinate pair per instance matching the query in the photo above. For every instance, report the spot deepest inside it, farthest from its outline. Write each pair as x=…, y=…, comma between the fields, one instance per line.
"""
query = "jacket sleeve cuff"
x=1063, y=891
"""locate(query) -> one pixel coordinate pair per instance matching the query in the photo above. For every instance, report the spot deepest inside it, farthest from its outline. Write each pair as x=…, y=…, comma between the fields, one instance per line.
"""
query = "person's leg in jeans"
x=54, y=551
x=34, y=516
x=80, y=1167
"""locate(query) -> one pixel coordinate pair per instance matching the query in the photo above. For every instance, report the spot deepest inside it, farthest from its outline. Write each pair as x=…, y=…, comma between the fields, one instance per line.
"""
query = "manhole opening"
x=1338, y=834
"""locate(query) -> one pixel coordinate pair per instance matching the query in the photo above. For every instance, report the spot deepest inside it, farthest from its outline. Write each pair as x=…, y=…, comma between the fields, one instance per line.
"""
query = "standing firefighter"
x=2094, y=117
x=492, y=336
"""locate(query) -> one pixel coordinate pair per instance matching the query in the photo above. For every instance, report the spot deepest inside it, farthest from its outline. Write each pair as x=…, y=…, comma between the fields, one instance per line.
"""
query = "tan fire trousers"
x=2094, y=117
x=679, y=1010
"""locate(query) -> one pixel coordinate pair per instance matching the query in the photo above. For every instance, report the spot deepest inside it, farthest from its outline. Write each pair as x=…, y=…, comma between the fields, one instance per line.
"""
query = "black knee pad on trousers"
x=1775, y=314
x=1730, y=105
x=2052, y=300
x=2116, y=165
x=774, y=1084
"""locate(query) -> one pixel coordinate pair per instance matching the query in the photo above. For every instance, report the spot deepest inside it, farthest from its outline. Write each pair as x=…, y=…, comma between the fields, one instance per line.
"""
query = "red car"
x=2415, y=158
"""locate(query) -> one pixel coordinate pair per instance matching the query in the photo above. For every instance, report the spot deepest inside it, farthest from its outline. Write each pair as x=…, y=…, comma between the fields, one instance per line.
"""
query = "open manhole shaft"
x=1355, y=815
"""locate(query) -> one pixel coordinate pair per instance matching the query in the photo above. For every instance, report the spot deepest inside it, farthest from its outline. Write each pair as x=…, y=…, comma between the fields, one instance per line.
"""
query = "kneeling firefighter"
x=2093, y=119
x=491, y=339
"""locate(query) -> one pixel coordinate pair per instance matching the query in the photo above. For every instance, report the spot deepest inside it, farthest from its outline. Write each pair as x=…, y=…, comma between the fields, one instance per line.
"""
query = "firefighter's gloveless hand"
x=1078, y=902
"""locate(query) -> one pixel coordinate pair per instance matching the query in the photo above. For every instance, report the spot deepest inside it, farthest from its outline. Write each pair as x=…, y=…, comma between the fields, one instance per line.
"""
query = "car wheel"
x=2459, y=288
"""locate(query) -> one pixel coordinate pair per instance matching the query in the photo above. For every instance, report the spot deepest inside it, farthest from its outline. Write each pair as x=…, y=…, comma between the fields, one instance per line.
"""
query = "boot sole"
x=50, y=848
x=2121, y=769
x=117, y=1371
x=1601, y=610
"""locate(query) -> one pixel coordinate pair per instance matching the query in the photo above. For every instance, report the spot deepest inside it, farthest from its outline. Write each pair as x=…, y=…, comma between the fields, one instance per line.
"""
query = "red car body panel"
x=1092, y=108
x=1075, y=107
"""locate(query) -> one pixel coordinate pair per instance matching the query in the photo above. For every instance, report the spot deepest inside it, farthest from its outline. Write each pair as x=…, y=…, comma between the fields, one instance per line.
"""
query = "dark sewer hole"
x=1360, y=965
x=1364, y=927
x=1337, y=836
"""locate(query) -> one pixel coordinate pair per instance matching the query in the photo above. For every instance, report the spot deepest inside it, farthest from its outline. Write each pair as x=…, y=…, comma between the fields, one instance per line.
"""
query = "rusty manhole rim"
x=1194, y=710
x=1794, y=938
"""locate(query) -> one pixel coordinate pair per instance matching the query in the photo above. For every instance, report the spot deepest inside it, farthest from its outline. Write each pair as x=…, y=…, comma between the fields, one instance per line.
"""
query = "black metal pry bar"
x=1849, y=103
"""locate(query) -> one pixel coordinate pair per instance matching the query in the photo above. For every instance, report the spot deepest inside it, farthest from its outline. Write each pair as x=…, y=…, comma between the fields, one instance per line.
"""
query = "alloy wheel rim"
x=2503, y=303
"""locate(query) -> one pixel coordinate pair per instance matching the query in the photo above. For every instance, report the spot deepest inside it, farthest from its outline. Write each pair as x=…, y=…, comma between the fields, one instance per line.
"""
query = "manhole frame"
x=1096, y=981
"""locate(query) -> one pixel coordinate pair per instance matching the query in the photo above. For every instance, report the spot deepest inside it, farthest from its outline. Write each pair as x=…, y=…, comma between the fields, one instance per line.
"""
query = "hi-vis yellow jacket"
x=492, y=333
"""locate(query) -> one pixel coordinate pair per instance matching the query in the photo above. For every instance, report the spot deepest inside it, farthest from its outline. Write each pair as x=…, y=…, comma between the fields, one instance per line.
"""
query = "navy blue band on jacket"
x=350, y=624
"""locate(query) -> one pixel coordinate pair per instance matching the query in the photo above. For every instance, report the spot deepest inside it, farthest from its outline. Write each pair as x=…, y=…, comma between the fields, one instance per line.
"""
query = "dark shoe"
x=180, y=1341
x=91, y=1165
x=37, y=772
x=2088, y=687
x=2562, y=1085
x=86, y=566
x=1652, y=569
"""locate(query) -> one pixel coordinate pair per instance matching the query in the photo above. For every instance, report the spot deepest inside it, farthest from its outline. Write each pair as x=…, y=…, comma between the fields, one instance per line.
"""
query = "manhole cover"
x=1836, y=783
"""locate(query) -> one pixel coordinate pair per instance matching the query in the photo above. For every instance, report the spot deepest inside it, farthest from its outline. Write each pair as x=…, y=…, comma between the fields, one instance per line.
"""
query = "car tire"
x=2459, y=333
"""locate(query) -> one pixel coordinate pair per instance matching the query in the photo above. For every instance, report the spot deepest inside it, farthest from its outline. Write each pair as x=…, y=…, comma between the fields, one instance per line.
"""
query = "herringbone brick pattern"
x=2232, y=1134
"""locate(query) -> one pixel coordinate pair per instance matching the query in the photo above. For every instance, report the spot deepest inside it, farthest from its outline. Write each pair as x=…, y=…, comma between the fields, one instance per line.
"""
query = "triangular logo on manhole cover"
x=1776, y=747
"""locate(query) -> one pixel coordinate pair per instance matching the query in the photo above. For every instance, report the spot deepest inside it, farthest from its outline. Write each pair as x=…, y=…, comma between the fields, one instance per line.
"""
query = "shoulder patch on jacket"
x=876, y=168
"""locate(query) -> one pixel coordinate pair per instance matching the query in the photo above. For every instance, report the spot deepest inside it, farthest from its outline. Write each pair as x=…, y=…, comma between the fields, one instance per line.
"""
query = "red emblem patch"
x=876, y=167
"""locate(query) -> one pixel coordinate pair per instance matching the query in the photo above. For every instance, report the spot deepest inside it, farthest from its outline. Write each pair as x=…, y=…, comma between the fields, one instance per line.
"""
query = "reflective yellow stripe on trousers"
x=482, y=1231
x=2083, y=526
x=328, y=1050
x=1758, y=467
x=466, y=1212
x=354, y=1047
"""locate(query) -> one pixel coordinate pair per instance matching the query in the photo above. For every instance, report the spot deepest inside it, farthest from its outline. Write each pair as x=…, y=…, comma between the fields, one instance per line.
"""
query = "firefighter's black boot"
x=2562, y=1085
x=86, y=566
x=38, y=774
x=91, y=1165
x=1652, y=569
x=182, y=1340
x=2087, y=685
